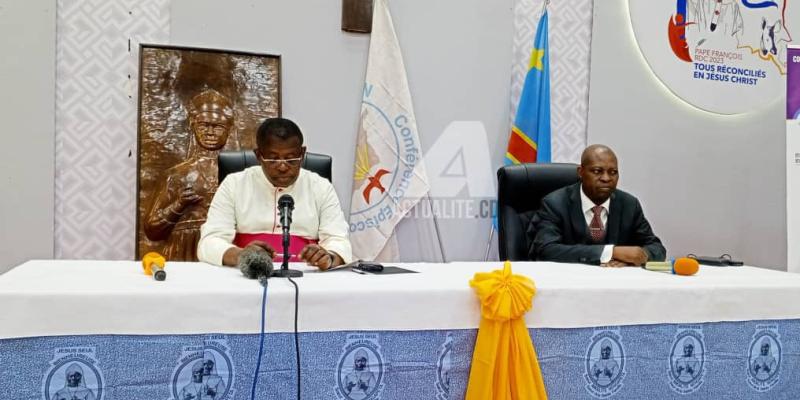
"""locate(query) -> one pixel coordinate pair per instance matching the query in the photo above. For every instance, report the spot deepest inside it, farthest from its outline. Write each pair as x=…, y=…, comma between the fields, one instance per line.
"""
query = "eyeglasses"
x=275, y=162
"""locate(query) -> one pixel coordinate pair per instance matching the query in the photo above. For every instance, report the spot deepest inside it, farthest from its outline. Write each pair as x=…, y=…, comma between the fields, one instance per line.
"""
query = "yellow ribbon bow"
x=504, y=364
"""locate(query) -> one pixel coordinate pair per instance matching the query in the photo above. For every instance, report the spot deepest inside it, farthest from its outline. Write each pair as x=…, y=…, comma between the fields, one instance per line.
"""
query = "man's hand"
x=315, y=255
x=231, y=256
x=259, y=245
x=631, y=255
x=616, y=264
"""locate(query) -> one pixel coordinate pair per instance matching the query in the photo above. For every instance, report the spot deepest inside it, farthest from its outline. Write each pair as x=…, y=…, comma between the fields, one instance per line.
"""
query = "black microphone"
x=285, y=208
x=255, y=264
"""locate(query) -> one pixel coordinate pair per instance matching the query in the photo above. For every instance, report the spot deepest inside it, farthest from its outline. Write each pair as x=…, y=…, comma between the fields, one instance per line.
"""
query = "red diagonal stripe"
x=521, y=150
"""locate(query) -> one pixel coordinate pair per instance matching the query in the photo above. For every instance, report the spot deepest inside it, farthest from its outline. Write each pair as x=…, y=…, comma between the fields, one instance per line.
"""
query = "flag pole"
x=489, y=243
x=436, y=226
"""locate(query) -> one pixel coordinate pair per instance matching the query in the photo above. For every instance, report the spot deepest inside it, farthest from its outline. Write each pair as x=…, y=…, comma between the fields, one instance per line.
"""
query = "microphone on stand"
x=285, y=208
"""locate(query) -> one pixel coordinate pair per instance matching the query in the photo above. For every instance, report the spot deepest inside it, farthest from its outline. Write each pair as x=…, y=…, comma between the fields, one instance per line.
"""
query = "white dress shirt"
x=586, y=207
x=246, y=202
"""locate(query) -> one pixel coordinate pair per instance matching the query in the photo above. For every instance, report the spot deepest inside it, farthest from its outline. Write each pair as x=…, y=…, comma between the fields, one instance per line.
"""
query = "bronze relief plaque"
x=193, y=103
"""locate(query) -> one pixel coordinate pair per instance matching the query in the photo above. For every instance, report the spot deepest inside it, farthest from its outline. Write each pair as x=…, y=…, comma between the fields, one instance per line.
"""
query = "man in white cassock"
x=244, y=211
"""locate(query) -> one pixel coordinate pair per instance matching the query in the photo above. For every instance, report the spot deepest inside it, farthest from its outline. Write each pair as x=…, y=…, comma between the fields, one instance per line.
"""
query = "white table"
x=417, y=329
x=125, y=301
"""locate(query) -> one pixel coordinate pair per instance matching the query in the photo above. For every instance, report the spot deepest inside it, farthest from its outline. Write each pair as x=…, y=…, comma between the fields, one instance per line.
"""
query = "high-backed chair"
x=520, y=189
x=235, y=161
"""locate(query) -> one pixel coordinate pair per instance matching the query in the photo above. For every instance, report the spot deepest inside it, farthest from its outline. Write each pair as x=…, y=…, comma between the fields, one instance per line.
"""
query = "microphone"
x=682, y=266
x=153, y=264
x=685, y=266
x=255, y=264
x=285, y=208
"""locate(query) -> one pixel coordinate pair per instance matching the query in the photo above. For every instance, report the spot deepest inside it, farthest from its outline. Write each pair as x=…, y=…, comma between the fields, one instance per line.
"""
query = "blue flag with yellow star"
x=530, y=134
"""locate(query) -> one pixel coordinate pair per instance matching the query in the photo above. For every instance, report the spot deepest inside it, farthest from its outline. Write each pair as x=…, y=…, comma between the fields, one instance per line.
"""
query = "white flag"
x=389, y=176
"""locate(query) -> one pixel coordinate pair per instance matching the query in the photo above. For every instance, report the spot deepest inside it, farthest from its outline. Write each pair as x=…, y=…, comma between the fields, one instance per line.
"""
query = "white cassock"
x=245, y=208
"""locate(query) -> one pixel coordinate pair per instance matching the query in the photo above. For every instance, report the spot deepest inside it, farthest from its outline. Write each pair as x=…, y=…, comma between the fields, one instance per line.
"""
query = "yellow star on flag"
x=536, y=59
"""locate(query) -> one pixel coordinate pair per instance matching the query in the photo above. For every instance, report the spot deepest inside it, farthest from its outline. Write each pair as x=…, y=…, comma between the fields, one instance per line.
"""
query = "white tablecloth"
x=46, y=297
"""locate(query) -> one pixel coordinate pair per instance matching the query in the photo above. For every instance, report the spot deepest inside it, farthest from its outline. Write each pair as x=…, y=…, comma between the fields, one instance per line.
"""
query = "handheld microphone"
x=153, y=264
x=681, y=266
x=255, y=264
x=685, y=266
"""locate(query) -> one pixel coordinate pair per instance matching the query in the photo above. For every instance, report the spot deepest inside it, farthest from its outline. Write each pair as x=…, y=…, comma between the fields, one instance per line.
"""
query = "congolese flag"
x=530, y=133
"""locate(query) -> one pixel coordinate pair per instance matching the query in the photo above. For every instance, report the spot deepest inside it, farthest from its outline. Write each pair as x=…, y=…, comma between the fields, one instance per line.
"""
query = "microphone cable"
x=265, y=283
x=296, y=336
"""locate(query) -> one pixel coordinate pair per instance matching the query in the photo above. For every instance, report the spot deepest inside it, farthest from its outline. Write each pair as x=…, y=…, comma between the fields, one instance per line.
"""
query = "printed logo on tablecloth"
x=687, y=360
x=605, y=363
x=74, y=374
x=444, y=363
x=764, y=362
x=204, y=372
x=360, y=372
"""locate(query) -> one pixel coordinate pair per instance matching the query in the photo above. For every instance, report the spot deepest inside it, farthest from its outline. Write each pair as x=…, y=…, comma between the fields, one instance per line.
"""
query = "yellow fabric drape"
x=504, y=364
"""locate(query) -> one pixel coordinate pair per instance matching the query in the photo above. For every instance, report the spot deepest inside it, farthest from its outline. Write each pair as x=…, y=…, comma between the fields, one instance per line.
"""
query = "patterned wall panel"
x=96, y=75
x=570, y=45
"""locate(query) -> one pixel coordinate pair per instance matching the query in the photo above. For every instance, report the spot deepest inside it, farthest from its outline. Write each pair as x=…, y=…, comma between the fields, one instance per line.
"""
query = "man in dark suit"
x=592, y=222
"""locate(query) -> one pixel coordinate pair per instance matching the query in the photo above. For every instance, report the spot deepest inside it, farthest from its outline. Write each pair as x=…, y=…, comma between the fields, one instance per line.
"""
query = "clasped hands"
x=624, y=256
x=313, y=254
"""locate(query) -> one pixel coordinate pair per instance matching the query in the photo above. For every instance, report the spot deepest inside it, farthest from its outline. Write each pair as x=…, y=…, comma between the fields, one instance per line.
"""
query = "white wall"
x=27, y=86
x=457, y=54
x=710, y=184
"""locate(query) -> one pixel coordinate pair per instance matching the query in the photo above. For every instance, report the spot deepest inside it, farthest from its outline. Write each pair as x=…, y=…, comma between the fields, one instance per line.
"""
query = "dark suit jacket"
x=558, y=230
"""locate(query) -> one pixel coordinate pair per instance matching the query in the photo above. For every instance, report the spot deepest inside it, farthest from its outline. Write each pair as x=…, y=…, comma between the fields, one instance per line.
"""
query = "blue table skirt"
x=756, y=359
